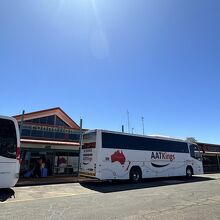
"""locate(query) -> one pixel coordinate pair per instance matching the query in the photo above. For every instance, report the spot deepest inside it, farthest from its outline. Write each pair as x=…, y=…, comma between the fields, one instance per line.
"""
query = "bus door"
x=197, y=159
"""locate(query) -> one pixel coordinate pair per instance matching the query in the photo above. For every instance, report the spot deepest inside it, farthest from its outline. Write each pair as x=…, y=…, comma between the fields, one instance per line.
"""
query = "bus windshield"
x=194, y=152
x=8, y=139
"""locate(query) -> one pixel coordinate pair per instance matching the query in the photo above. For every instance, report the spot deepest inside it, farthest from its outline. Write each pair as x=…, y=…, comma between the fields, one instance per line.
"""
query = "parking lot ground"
x=51, y=180
x=168, y=198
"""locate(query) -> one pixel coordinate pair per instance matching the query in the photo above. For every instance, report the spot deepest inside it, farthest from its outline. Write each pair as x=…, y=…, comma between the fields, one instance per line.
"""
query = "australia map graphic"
x=118, y=156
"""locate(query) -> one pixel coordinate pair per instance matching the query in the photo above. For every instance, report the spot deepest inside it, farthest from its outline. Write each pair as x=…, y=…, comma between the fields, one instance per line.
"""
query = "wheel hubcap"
x=189, y=173
x=135, y=176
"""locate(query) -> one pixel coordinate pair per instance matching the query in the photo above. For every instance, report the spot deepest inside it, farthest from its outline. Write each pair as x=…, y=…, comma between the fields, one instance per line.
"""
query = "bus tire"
x=189, y=171
x=135, y=174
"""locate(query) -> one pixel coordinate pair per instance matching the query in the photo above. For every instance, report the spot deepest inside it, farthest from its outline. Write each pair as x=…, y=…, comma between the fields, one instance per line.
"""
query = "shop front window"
x=65, y=163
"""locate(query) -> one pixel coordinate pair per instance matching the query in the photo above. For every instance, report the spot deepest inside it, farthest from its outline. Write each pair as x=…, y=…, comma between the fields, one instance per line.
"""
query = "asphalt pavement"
x=169, y=198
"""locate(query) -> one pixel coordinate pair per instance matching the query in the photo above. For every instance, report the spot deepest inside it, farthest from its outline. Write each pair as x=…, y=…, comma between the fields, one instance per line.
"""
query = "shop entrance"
x=38, y=163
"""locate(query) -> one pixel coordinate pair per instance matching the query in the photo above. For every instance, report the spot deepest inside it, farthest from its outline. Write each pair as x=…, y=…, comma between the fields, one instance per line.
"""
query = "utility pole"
x=128, y=121
x=142, y=118
x=132, y=130
x=80, y=142
x=122, y=128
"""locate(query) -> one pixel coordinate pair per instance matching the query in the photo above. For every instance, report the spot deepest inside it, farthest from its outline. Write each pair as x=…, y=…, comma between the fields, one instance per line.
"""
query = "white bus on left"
x=9, y=152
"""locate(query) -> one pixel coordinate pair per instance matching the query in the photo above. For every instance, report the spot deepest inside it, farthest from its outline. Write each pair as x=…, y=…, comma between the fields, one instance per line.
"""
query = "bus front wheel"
x=135, y=174
x=189, y=172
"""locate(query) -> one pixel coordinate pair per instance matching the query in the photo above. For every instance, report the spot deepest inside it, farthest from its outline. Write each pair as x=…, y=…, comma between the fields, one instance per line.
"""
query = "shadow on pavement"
x=117, y=186
x=6, y=194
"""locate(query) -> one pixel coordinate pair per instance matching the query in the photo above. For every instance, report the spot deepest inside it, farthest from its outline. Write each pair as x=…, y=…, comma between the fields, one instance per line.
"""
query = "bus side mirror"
x=198, y=156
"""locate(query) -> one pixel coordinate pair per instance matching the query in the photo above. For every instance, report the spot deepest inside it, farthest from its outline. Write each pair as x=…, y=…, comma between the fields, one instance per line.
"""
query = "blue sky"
x=97, y=59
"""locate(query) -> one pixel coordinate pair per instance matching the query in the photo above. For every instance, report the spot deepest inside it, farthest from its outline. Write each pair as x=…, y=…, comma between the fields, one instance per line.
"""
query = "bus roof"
x=8, y=118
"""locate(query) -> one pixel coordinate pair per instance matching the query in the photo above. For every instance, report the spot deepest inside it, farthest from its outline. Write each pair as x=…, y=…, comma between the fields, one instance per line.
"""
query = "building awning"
x=34, y=141
x=210, y=153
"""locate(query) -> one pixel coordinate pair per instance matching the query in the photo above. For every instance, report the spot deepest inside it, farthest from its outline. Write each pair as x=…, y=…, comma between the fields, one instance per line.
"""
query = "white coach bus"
x=9, y=152
x=108, y=155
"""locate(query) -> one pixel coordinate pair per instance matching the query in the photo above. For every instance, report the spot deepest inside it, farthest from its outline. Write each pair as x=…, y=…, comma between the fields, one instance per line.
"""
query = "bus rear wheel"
x=189, y=172
x=135, y=175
